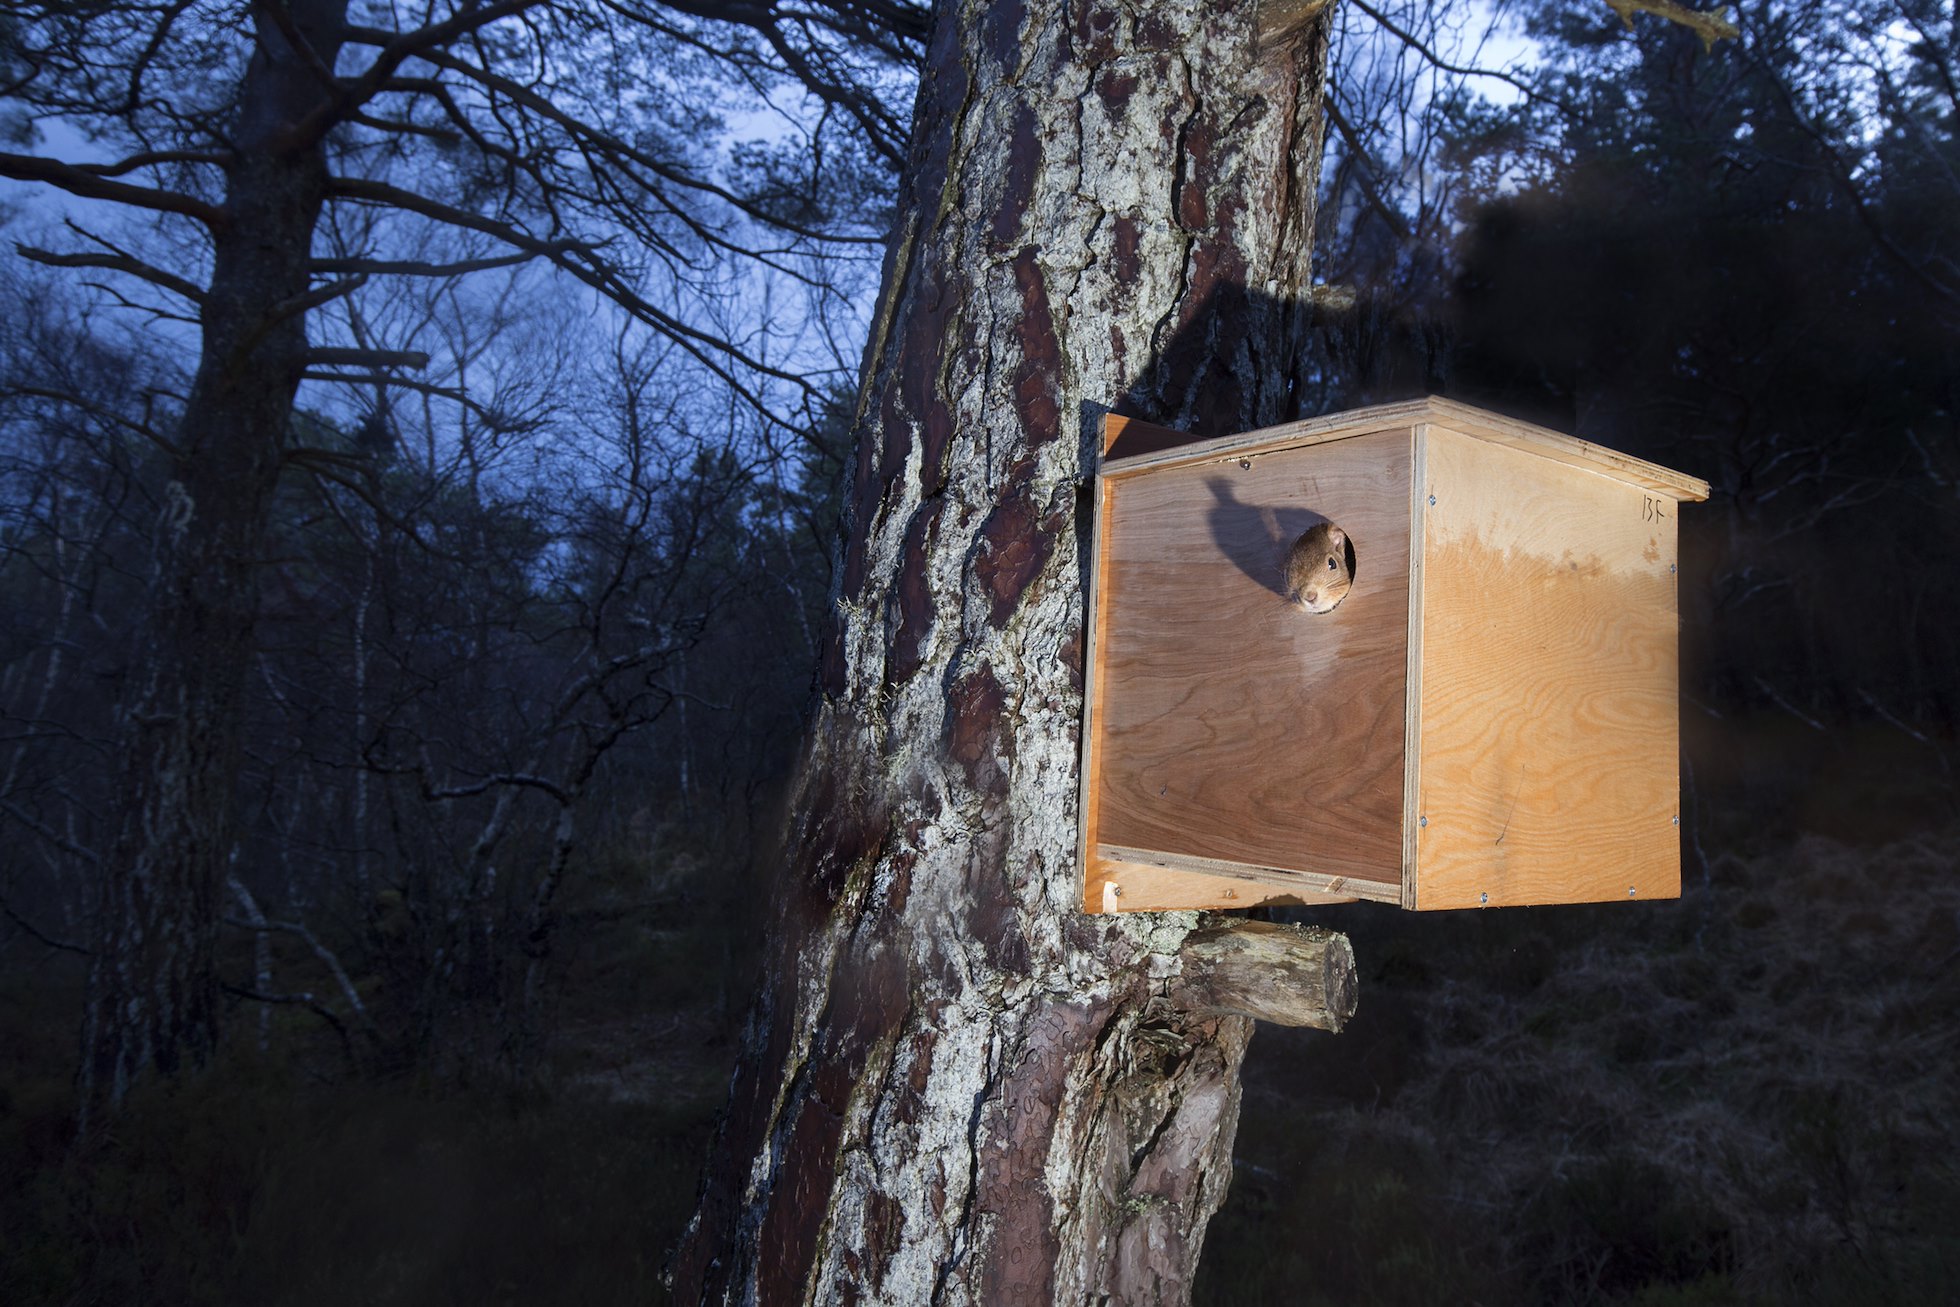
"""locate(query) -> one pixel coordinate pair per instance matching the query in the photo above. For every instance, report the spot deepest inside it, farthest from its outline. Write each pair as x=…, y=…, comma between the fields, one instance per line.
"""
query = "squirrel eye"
x=1331, y=566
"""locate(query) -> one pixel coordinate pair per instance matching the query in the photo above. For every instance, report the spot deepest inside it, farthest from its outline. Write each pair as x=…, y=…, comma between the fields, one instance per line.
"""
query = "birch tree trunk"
x=956, y=1088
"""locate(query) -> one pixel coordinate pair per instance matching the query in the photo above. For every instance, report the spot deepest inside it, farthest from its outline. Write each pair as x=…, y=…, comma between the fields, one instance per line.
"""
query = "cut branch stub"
x=1288, y=975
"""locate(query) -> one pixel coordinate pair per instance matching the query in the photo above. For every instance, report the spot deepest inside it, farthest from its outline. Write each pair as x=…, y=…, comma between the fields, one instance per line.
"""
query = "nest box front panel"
x=1548, y=729
x=1231, y=725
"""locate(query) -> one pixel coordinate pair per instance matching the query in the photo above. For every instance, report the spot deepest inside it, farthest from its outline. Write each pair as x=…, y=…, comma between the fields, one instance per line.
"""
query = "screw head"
x=1677, y=819
x=1422, y=821
x=1483, y=900
x=1631, y=891
x=1432, y=501
x=1674, y=567
x=1246, y=464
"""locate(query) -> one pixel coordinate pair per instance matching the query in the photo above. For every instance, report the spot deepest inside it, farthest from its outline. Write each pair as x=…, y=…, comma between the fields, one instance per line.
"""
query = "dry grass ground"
x=1745, y=1096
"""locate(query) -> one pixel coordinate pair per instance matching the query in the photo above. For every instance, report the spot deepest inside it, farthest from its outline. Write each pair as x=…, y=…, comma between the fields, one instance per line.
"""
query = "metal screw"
x=1630, y=891
x=1422, y=821
x=1432, y=501
x=1483, y=900
x=1674, y=567
x=1246, y=463
x=1677, y=819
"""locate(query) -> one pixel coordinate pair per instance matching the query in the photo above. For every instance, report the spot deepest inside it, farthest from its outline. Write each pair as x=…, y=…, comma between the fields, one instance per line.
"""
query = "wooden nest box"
x=1489, y=717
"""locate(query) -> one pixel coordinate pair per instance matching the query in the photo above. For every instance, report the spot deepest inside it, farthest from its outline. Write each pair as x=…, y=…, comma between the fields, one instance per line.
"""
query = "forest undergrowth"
x=283, y=1177
x=1745, y=1096
x=1739, y=1097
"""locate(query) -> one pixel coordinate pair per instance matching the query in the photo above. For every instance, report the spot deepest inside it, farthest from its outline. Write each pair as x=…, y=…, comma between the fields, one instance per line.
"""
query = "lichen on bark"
x=956, y=1088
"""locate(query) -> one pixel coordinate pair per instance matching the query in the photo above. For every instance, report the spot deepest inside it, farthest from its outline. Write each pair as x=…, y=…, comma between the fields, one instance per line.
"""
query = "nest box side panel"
x=1548, y=717
x=1234, y=733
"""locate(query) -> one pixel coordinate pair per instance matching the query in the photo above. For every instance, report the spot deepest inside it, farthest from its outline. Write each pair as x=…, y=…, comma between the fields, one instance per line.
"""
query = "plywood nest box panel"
x=1487, y=716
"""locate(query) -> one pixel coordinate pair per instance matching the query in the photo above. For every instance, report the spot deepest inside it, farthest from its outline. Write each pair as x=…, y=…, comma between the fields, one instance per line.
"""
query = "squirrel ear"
x=1337, y=536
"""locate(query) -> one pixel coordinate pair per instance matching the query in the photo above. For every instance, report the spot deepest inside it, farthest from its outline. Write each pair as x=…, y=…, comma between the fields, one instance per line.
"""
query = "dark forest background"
x=537, y=628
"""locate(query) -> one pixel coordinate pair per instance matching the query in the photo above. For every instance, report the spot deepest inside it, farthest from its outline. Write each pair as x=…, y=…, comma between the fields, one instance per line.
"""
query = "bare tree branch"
x=579, y=130
x=343, y=357
x=91, y=186
x=152, y=159
x=59, y=945
x=423, y=268
x=521, y=780
x=1365, y=165
x=303, y=999
x=314, y=298
x=95, y=410
x=115, y=263
x=399, y=47
x=259, y=921
x=53, y=837
x=1430, y=55
x=1841, y=178
x=594, y=272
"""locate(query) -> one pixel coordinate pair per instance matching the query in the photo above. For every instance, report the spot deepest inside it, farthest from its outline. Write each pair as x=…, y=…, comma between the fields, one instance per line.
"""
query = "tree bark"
x=1283, y=974
x=955, y=1087
x=153, y=1000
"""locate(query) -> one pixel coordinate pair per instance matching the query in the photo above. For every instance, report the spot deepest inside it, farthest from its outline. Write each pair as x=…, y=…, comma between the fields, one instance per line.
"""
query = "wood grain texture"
x=1542, y=442
x=1117, y=886
x=1412, y=687
x=1492, y=427
x=1134, y=880
x=1283, y=974
x=1096, y=623
x=1232, y=726
x=1548, y=718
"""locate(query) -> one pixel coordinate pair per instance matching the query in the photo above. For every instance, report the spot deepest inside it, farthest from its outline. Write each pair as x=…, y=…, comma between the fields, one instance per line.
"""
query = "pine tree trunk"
x=153, y=1002
x=955, y=1086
